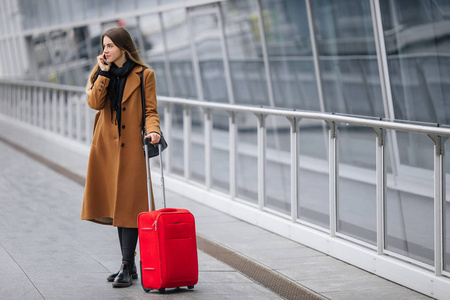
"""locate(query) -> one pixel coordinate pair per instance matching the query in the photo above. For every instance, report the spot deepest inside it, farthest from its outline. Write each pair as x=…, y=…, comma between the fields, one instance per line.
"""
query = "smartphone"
x=105, y=62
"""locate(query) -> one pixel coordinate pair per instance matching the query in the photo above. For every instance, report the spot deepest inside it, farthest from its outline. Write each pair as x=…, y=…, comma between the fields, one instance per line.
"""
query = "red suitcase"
x=167, y=245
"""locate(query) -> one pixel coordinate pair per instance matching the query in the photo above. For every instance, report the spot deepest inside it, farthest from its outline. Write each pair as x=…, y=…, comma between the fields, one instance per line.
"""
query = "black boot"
x=123, y=279
x=113, y=276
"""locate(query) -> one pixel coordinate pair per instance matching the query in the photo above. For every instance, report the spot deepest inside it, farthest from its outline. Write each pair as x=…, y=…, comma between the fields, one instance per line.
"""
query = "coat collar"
x=132, y=83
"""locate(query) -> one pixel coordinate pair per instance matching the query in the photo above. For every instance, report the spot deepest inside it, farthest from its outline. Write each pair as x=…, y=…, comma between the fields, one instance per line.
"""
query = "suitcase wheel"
x=190, y=287
x=142, y=283
x=162, y=291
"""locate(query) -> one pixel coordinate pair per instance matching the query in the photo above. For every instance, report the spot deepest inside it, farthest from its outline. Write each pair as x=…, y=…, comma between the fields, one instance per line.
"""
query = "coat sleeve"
x=96, y=93
x=151, y=113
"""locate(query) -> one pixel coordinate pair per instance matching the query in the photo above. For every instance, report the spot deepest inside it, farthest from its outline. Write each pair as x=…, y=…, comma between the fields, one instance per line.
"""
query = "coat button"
x=124, y=109
x=123, y=126
x=122, y=145
x=100, y=90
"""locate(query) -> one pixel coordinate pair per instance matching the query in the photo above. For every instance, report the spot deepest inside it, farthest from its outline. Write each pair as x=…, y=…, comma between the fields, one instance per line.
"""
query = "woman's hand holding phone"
x=102, y=63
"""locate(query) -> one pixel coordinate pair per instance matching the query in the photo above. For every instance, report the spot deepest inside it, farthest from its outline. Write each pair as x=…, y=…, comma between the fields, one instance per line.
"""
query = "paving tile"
x=208, y=264
x=87, y=286
x=237, y=289
x=286, y=258
x=245, y=238
x=379, y=294
x=14, y=282
x=16, y=287
x=222, y=277
x=348, y=281
x=318, y=267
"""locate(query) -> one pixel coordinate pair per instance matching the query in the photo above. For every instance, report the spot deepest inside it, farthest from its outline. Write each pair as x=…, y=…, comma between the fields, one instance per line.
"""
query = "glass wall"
x=246, y=63
x=205, y=32
x=150, y=40
x=220, y=160
x=176, y=142
x=247, y=157
x=446, y=209
x=197, y=143
x=409, y=211
x=356, y=205
x=348, y=61
x=278, y=164
x=180, y=54
x=314, y=197
x=290, y=55
x=418, y=48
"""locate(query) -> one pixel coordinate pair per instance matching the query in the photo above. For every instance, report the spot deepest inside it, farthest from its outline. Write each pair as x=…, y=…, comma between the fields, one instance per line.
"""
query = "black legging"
x=128, y=239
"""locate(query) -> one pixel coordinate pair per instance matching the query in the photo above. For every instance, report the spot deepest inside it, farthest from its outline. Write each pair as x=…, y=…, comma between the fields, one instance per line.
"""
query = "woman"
x=116, y=186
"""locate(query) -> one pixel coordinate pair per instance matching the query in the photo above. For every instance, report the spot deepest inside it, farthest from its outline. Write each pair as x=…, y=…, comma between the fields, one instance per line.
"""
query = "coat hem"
x=108, y=222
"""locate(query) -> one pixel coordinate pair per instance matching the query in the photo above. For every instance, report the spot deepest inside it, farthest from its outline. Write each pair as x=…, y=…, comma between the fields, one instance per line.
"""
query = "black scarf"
x=118, y=78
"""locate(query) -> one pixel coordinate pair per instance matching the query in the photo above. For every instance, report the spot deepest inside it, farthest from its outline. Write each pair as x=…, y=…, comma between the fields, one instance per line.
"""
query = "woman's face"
x=112, y=52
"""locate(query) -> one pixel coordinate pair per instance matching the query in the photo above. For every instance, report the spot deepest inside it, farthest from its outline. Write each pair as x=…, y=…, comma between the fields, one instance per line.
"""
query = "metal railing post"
x=23, y=97
x=208, y=147
x=29, y=118
x=187, y=141
x=439, y=197
x=294, y=168
x=380, y=187
x=62, y=96
x=70, y=115
x=168, y=135
x=7, y=101
x=47, y=109
x=54, y=109
x=78, y=117
x=261, y=160
x=87, y=122
x=18, y=102
x=41, y=107
x=35, y=106
x=233, y=153
x=11, y=101
x=334, y=173
x=2, y=98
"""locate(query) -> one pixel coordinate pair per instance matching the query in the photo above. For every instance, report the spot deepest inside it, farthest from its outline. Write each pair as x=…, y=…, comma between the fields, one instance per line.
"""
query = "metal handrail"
x=360, y=121
x=39, y=84
x=328, y=117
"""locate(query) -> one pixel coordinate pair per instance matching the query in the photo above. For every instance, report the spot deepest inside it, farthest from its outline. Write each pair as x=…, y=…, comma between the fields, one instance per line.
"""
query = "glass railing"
x=348, y=177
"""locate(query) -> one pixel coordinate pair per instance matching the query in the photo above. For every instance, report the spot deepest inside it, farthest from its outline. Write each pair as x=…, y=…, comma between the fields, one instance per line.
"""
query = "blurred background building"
x=377, y=59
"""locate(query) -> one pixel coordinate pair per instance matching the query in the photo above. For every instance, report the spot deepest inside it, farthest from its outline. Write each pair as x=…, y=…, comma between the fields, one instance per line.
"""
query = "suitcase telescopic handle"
x=149, y=183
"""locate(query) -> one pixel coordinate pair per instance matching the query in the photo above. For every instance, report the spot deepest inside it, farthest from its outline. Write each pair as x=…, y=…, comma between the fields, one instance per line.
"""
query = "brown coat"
x=116, y=186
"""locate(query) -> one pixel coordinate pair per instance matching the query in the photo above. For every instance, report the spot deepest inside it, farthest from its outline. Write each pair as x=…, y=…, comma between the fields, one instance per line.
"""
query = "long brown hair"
x=122, y=39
